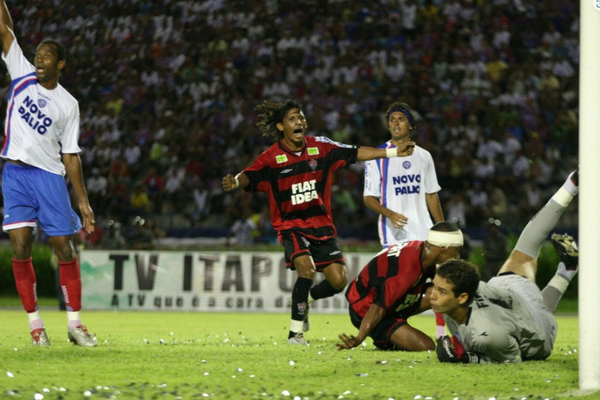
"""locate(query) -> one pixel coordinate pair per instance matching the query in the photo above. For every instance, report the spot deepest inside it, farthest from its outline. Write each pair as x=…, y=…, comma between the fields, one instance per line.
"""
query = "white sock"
x=296, y=326
x=35, y=321
x=73, y=319
x=565, y=194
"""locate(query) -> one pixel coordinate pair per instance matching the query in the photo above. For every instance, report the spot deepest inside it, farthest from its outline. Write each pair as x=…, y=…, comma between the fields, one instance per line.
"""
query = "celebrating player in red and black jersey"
x=296, y=174
x=393, y=286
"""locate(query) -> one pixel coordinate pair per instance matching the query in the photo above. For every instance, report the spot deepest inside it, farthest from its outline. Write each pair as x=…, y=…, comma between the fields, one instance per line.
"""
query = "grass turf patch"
x=149, y=355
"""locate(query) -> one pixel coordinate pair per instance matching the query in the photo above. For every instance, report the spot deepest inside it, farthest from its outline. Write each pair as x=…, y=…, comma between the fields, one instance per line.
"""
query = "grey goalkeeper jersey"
x=506, y=327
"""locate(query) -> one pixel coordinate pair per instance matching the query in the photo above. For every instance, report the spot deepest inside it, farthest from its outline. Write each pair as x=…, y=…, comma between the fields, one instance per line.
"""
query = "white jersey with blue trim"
x=401, y=183
x=40, y=123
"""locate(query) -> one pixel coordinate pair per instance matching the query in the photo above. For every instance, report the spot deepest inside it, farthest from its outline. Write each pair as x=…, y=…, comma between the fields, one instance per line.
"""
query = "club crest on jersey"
x=406, y=164
x=313, y=165
x=313, y=151
x=281, y=158
x=42, y=103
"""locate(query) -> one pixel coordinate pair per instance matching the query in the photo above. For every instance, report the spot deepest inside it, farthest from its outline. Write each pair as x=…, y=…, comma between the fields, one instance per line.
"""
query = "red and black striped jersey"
x=393, y=280
x=299, y=184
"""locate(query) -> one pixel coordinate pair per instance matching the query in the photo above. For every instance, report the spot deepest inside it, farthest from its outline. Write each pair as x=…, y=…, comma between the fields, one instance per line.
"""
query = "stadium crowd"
x=167, y=91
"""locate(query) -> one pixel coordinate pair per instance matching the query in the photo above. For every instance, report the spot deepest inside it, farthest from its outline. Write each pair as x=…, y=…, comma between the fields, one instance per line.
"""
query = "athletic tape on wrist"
x=445, y=239
x=237, y=182
x=393, y=152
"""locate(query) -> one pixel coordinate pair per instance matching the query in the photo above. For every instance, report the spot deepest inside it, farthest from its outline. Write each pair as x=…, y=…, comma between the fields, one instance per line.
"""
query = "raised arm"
x=371, y=153
x=6, y=28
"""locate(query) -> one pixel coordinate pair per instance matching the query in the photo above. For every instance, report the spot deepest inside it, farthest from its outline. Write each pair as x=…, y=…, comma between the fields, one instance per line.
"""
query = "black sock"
x=300, y=298
x=322, y=290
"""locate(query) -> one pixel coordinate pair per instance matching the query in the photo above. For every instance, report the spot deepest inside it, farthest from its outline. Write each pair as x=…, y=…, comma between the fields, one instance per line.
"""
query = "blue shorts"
x=35, y=197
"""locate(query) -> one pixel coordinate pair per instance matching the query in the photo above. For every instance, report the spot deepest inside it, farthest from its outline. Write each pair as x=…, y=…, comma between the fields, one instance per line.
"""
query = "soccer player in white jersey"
x=403, y=191
x=507, y=319
x=42, y=124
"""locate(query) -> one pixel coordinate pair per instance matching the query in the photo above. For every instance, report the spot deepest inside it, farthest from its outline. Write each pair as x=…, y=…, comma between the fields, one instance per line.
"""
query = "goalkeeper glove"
x=445, y=353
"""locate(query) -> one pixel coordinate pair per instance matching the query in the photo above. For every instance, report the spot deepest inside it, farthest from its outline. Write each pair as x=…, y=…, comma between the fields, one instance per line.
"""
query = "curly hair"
x=462, y=274
x=271, y=113
x=404, y=109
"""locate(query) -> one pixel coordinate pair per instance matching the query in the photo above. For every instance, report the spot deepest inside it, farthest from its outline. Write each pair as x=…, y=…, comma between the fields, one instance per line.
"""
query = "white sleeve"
x=372, y=179
x=16, y=63
x=70, y=133
x=431, y=182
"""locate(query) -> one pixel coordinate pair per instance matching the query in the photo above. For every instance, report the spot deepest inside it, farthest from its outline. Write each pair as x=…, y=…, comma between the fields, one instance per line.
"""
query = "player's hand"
x=348, y=341
x=398, y=220
x=87, y=217
x=446, y=353
x=406, y=148
x=228, y=183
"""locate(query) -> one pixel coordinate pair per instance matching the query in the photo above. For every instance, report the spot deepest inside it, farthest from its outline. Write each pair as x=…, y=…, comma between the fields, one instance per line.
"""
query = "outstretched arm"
x=6, y=28
x=370, y=321
x=231, y=182
x=371, y=153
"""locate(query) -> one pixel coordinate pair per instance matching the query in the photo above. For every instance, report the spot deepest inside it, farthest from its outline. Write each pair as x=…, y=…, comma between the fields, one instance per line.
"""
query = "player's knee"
x=21, y=251
x=427, y=345
x=305, y=269
x=65, y=253
x=339, y=284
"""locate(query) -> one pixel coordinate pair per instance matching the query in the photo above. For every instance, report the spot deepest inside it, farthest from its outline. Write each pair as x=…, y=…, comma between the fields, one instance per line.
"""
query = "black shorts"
x=323, y=252
x=384, y=330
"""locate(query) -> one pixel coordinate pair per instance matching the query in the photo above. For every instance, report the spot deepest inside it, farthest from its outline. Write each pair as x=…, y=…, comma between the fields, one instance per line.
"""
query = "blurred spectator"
x=456, y=209
x=478, y=202
x=243, y=229
x=154, y=229
x=495, y=247
x=96, y=187
x=139, y=202
x=113, y=238
x=154, y=184
x=141, y=238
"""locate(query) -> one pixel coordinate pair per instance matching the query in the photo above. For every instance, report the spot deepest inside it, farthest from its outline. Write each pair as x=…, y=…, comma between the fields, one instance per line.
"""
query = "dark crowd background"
x=167, y=91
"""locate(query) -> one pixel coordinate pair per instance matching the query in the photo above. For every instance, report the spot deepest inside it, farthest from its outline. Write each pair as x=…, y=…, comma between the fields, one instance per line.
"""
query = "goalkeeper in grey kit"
x=507, y=319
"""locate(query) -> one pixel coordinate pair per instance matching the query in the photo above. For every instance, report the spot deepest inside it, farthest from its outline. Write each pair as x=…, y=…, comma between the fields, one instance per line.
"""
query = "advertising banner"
x=198, y=281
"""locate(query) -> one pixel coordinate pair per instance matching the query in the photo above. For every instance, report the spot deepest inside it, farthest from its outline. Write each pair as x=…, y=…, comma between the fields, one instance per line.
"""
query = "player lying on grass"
x=507, y=319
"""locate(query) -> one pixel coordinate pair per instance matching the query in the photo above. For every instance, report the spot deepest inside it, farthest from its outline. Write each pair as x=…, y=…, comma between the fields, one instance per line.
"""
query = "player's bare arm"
x=434, y=206
x=6, y=28
x=231, y=182
x=72, y=164
x=371, y=319
x=371, y=153
x=374, y=204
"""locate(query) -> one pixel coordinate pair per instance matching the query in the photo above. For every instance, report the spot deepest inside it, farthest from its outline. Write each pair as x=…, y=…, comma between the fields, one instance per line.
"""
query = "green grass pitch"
x=147, y=355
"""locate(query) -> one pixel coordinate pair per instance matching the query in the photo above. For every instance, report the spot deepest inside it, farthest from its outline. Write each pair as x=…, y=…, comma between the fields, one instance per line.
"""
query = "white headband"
x=445, y=239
